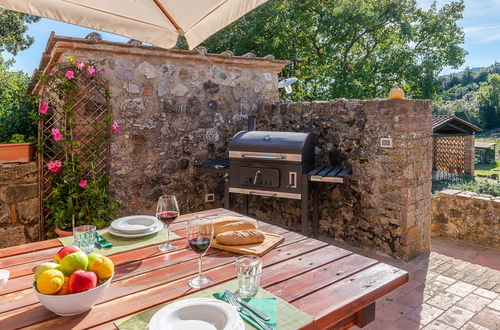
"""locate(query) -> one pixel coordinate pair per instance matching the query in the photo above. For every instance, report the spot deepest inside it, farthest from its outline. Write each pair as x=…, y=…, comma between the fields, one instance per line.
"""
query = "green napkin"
x=102, y=241
x=265, y=305
x=122, y=244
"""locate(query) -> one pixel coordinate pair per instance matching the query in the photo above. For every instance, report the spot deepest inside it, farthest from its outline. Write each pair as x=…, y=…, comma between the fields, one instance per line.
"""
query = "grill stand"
x=310, y=183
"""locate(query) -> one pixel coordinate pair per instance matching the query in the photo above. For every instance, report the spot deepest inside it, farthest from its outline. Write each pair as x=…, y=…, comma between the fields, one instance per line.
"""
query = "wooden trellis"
x=88, y=106
x=450, y=153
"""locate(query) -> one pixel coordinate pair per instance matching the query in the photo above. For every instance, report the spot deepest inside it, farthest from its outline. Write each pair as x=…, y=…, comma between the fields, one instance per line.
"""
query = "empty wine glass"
x=167, y=211
x=199, y=235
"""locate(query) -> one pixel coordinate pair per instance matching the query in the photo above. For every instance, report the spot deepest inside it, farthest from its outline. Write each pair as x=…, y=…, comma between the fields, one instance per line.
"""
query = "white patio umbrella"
x=158, y=22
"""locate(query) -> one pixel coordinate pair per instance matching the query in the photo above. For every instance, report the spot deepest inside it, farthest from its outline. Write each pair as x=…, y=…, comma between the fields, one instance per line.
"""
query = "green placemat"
x=121, y=244
x=289, y=316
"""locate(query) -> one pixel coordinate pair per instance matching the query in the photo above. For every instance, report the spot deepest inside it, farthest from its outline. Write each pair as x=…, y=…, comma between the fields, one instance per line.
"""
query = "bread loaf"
x=228, y=223
x=240, y=237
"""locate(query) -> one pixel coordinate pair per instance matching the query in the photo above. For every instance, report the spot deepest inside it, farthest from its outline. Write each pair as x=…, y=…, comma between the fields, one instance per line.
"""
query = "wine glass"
x=167, y=211
x=199, y=235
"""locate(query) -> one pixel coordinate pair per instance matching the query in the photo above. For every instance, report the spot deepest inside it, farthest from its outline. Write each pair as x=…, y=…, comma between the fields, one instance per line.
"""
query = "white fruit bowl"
x=73, y=304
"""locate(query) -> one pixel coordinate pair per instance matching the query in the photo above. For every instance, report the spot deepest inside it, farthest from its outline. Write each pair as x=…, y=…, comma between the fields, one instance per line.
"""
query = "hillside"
x=473, y=95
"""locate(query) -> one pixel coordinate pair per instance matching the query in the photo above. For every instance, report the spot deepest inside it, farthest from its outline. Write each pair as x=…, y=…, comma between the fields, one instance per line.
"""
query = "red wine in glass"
x=167, y=217
x=199, y=244
x=167, y=211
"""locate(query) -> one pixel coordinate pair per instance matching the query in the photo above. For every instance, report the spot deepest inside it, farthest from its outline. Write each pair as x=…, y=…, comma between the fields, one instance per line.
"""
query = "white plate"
x=146, y=233
x=135, y=224
x=197, y=314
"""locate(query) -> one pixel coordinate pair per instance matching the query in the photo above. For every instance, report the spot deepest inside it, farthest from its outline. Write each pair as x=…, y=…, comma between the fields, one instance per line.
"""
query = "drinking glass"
x=248, y=270
x=167, y=211
x=199, y=235
x=84, y=237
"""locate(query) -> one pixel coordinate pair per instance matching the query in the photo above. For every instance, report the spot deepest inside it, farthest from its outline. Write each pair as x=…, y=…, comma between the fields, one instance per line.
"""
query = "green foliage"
x=16, y=109
x=351, y=48
x=480, y=186
x=473, y=95
x=13, y=29
x=79, y=192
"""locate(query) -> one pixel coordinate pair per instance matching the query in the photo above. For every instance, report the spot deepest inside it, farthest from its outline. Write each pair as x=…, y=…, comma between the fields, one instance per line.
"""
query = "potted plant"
x=79, y=193
x=17, y=132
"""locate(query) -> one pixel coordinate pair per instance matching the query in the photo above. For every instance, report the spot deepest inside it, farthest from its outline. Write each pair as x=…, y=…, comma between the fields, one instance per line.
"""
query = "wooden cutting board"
x=259, y=249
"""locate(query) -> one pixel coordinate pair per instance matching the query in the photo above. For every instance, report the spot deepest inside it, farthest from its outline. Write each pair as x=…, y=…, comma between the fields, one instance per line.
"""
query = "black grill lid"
x=274, y=142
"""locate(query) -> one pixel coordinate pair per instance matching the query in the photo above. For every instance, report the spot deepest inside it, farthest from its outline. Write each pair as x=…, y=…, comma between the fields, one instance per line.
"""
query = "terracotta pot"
x=16, y=152
x=63, y=233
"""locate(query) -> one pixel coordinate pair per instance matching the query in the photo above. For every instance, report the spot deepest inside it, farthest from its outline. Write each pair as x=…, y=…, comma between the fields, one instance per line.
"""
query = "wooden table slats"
x=334, y=285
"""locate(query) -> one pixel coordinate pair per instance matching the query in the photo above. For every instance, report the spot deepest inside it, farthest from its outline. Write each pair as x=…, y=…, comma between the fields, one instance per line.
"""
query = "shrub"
x=480, y=186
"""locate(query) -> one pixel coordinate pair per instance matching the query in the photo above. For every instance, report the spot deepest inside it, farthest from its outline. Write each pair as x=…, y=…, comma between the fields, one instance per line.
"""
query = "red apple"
x=68, y=249
x=82, y=280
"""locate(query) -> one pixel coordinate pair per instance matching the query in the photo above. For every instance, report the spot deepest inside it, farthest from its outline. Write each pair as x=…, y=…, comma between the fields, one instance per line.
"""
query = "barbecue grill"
x=275, y=164
x=270, y=163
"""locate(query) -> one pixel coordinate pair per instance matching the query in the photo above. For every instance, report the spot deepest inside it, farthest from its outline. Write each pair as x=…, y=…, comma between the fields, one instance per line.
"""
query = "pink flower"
x=70, y=75
x=54, y=166
x=43, y=108
x=53, y=70
x=82, y=183
x=73, y=178
x=91, y=70
x=56, y=133
x=102, y=70
x=115, y=126
x=80, y=65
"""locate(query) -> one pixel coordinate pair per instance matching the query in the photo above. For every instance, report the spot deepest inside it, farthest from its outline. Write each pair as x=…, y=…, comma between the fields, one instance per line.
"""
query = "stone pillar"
x=19, y=204
x=469, y=154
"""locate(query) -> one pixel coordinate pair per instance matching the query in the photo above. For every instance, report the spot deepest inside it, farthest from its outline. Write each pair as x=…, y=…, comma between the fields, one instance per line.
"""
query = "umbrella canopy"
x=158, y=22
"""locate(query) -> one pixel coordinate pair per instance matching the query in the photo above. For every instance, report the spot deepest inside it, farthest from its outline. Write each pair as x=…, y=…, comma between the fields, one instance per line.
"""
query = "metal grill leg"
x=245, y=204
x=315, y=188
x=226, y=190
x=304, y=204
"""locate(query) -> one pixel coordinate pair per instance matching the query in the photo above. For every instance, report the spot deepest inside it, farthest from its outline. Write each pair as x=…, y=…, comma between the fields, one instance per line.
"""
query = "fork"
x=235, y=304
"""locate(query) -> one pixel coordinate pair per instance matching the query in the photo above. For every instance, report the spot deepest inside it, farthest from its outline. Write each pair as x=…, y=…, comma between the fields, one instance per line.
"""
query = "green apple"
x=45, y=266
x=74, y=261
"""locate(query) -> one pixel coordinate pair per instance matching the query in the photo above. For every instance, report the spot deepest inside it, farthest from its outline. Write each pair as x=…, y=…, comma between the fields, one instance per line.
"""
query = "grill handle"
x=263, y=156
x=262, y=194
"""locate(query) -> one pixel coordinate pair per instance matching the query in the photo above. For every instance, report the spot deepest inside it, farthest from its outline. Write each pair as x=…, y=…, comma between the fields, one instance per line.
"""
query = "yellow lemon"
x=103, y=267
x=50, y=281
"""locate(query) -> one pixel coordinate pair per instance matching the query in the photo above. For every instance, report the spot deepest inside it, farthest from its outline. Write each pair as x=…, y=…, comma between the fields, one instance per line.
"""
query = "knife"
x=247, y=306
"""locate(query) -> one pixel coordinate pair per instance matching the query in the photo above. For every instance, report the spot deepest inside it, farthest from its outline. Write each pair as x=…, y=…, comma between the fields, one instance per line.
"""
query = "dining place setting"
x=235, y=304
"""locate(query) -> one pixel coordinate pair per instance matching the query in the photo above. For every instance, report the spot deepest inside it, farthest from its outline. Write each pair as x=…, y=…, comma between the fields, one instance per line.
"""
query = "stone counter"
x=467, y=216
x=19, y=204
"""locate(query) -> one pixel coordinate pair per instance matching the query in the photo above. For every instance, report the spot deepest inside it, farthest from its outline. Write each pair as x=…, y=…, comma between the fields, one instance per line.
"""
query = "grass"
x=487, y=169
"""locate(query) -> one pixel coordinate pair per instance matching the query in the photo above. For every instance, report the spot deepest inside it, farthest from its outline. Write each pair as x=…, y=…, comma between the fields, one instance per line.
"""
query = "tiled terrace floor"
x=456, y=286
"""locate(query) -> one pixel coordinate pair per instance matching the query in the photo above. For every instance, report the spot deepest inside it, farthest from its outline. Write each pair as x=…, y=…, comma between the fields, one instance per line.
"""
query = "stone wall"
x=467, y=216
x=19, y=204
x=178, y=109
x=385, y=204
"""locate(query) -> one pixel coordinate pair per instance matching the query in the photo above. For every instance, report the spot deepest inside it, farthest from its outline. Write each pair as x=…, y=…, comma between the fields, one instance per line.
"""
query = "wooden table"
x=336, y=286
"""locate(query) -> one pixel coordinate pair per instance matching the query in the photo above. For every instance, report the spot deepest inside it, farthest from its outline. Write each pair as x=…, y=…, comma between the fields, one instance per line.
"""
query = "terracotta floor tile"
x=461, y=288
x=444, y=300
x=474, y=302
x=495, y=304
x=456, y=316
x=488, y=317
x=436, y=325
x=414, y=298
x=393, y=312
x=486, y=293
x=404, y=323
x=434, y=287
x=445, y=279
x=473, y=326
x=424, y=314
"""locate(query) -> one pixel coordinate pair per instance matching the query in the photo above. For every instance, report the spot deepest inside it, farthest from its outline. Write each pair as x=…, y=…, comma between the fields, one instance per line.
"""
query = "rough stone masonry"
x=178, y=109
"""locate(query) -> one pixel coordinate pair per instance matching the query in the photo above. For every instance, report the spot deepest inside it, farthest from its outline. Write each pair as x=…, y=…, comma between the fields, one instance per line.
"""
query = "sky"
x=481, y=25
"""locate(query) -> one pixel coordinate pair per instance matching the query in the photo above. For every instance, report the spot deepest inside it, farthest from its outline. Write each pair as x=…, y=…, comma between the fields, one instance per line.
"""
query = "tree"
x=351, y=48
x=489, y=98
x=13, y=29
x=16, y=109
